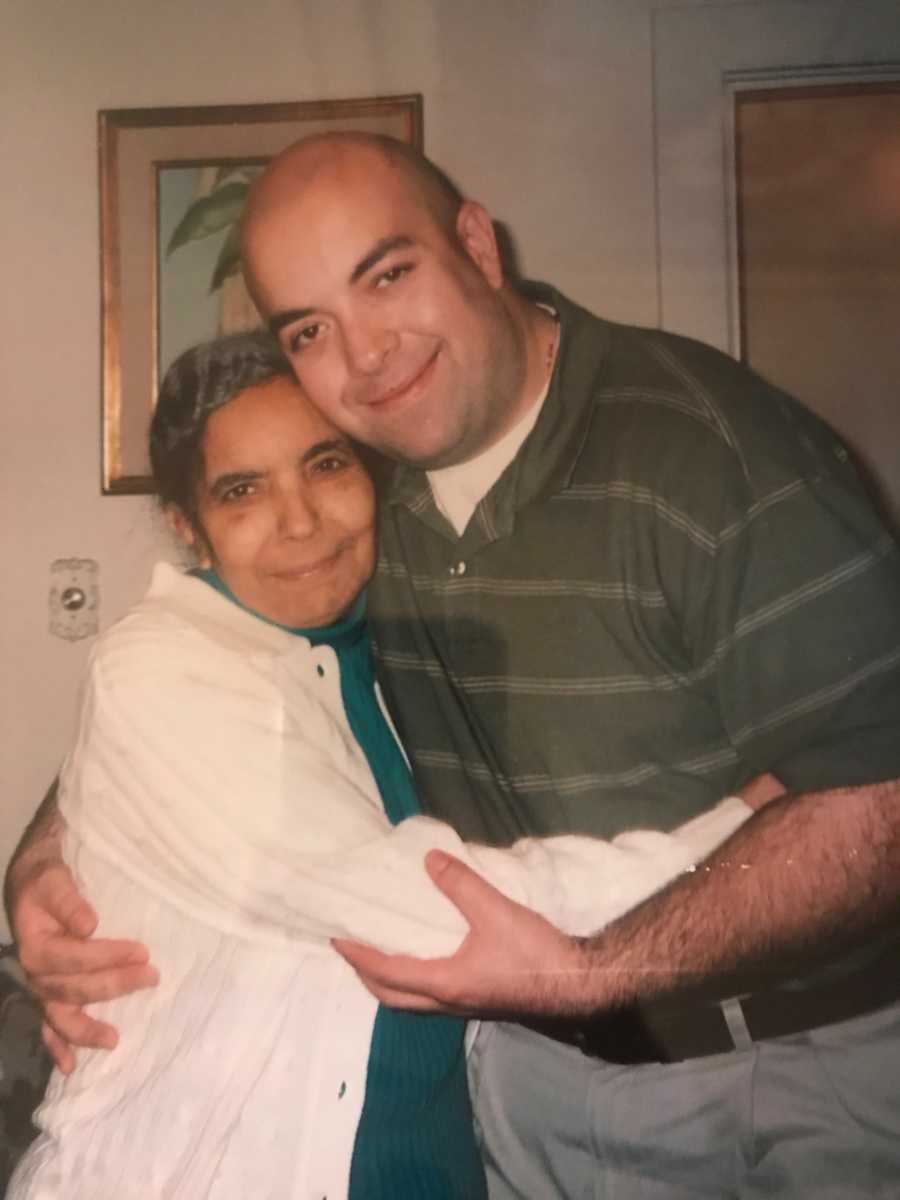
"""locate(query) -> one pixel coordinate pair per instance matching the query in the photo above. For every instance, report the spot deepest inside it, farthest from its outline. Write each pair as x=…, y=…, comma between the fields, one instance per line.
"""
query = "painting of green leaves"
x=201, y=291
x=173, y=184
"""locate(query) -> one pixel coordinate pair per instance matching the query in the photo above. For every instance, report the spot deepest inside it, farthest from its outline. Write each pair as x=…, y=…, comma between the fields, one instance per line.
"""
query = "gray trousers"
x=813, y=1116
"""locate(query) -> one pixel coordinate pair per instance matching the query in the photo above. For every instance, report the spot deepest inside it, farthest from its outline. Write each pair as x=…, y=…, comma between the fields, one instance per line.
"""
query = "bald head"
x=386, y=291
x=360, y=160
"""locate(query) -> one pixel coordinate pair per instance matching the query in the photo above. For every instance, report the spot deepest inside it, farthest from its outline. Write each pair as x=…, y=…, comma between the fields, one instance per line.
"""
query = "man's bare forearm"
x=66, y=966
x=40, y=843
x=806, y=878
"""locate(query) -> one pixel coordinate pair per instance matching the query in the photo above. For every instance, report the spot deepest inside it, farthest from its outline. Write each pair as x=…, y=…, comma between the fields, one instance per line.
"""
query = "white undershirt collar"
x=457, y=490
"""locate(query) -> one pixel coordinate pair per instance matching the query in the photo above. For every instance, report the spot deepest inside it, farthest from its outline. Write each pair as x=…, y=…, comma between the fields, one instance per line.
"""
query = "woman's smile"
x=286, y=509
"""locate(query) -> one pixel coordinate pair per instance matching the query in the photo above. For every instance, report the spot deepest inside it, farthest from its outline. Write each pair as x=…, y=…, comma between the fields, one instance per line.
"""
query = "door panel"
x=704, y=60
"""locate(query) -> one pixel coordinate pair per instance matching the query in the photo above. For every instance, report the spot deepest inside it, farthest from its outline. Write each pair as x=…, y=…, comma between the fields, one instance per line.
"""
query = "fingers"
x=65, y=1022
x=761, y=790
x=61, y=1052
x=71, y=1026
x=60, y=955
x=394, y=979
x=366, y=960
x=475, y=898
x=490, y=914
x=90, y=986
x=408, y=1001
x=55, y=892
x=77, y=916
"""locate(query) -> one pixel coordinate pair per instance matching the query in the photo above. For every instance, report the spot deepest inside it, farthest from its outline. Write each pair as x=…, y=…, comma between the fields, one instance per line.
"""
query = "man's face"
x=398, y=335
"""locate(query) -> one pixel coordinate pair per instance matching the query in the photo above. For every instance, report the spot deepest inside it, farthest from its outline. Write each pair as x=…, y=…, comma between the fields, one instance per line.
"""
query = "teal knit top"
x=415, y=1138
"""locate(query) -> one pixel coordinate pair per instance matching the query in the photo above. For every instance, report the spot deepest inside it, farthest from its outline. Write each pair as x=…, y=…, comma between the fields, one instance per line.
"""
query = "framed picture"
x=172, y=187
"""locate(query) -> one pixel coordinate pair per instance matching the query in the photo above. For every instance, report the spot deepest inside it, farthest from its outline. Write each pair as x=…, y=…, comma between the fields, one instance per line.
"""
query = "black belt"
x=661, y=1032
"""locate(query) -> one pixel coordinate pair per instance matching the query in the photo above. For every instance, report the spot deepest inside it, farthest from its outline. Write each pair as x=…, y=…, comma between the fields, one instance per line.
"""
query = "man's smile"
x=396, y=395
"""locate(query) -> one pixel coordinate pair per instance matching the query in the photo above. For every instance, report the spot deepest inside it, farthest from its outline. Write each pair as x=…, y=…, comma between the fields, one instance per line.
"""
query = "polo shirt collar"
x=547, y=459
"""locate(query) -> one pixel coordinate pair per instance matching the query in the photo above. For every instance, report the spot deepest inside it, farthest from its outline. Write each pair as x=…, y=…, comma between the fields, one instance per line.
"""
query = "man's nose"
x=298, y=515
x=369, y=345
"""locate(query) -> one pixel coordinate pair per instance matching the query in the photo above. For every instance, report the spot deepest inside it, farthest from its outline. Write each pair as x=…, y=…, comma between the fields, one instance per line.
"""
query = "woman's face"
x=285, y=506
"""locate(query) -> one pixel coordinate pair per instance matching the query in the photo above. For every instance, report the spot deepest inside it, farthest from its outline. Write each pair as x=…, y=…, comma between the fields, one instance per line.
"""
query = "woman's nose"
x=298, y=514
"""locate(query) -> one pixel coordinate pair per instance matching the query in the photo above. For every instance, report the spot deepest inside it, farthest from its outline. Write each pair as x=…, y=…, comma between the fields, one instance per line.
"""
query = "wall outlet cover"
x=74, y=599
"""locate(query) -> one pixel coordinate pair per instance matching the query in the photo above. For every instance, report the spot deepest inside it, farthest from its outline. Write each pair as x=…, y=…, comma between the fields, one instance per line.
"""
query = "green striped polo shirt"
x=678, y=583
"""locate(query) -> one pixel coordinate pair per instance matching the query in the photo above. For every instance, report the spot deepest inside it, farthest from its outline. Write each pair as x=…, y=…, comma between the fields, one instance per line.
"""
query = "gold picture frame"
x=150, y=158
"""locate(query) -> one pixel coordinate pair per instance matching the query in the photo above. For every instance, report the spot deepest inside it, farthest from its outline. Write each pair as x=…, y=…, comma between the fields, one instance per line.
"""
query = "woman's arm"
x=238, y=799
x=320, y=861
x=578, y=883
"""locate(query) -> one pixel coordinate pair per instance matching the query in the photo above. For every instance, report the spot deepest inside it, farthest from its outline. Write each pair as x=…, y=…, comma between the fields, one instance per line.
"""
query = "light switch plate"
x=74, y=598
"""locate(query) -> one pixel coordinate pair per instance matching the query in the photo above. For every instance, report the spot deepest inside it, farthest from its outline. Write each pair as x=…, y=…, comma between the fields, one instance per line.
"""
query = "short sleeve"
x=801, y=615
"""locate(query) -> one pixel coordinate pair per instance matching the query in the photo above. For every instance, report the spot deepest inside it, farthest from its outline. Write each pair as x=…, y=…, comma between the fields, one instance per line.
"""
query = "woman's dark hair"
x=198, y=382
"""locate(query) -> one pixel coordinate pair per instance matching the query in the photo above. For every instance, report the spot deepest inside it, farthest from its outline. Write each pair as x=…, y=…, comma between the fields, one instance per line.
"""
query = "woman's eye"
x=240, y=491
x=332, y=462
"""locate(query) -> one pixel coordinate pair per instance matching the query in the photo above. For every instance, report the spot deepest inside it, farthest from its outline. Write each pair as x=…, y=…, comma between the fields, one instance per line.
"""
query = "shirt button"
x=459, y=569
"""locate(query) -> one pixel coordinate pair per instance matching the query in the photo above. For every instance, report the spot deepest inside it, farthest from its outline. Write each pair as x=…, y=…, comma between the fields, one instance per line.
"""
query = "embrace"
x=620, y=577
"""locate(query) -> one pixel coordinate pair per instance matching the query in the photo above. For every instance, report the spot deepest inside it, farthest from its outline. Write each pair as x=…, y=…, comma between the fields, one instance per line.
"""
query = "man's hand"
x=511, y=961
x=52, y=925
x=760, y=790
x=755, y=906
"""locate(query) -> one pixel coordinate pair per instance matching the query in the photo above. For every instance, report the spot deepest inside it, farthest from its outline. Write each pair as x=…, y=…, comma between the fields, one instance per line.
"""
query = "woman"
x=235, y=799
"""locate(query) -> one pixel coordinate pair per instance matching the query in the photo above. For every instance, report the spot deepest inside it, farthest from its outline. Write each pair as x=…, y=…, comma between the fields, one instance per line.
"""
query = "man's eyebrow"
x=278, y=321
x=382, y=247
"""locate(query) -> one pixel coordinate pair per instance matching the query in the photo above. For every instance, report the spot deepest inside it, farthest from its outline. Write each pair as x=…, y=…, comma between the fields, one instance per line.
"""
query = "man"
x=619, y=577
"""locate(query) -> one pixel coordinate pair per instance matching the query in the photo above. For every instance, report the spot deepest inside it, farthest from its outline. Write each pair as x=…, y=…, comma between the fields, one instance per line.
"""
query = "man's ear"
x=475, y=230
x=185, y=532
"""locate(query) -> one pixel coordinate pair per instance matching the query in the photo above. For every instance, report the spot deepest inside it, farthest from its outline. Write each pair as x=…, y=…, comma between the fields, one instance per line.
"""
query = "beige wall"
x=543, y=109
